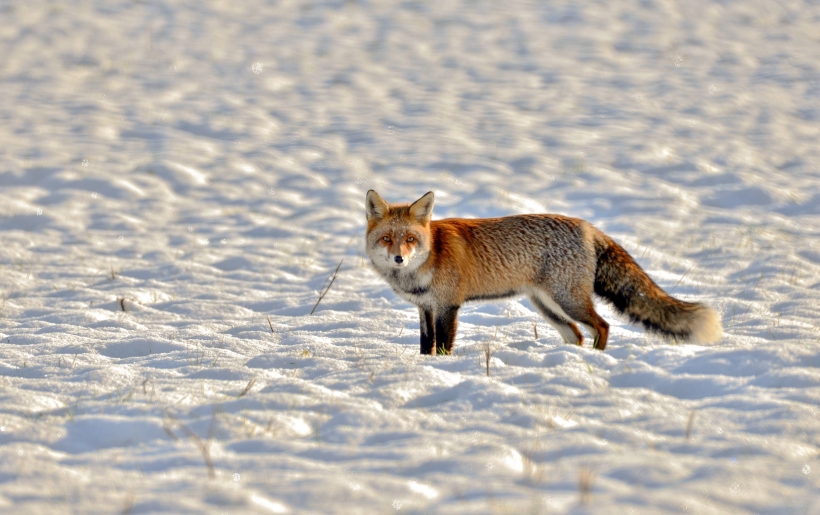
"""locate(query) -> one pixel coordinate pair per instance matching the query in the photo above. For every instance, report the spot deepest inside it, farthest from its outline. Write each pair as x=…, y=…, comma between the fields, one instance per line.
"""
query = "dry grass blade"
x=270, y=324
x=488, y=352
x=212, y=427
x=585, y=479
x=247, y=388
x=535, y=328
x=322, y=294
x=690, y=424
x=681, y=279
x=204, y=448
x=531, y=473
x=128, y=505
x=170, y=433
x=166, y=424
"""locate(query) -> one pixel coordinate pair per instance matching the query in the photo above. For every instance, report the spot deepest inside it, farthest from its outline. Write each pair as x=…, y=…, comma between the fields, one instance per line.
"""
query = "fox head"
x=398, y=235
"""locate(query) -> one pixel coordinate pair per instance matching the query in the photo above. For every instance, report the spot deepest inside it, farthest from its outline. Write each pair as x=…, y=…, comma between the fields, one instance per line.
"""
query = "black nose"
x=399, y=259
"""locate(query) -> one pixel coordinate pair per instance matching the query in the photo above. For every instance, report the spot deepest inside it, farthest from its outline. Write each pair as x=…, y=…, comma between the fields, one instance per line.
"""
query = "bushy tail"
x=621, y=281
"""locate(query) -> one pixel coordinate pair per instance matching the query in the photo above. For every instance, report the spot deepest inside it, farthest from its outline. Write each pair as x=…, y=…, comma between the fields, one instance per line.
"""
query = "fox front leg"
x=446, y=322
x=428, y=332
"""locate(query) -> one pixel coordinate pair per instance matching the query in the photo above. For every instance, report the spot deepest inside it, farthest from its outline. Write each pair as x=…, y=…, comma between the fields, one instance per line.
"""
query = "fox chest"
x=414, y=289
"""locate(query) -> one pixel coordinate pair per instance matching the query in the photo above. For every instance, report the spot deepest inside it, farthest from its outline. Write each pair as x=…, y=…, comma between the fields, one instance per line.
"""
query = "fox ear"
x=422, y=209
x=375, y=206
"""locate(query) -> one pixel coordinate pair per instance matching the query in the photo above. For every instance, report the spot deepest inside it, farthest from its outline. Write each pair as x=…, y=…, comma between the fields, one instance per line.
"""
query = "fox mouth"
x=398, y=261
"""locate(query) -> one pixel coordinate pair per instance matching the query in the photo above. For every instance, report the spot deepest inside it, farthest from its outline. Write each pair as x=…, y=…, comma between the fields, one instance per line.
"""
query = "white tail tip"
x=706, y=327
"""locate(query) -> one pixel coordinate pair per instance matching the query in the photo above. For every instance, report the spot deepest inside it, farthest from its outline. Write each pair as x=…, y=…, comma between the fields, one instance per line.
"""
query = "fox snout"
x=398, y=260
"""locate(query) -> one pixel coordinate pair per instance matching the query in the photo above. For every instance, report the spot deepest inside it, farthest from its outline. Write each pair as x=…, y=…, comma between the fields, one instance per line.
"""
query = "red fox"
x=556, y=261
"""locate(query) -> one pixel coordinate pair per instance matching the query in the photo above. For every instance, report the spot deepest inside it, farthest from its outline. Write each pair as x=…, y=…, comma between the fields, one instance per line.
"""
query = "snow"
x=178, y=180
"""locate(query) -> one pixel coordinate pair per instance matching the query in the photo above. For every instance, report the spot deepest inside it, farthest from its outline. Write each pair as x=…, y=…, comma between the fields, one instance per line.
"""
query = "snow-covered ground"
x=172, y=174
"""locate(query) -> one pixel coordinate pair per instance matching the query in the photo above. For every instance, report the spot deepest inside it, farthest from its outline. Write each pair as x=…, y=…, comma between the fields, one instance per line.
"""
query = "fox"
x=557, y=262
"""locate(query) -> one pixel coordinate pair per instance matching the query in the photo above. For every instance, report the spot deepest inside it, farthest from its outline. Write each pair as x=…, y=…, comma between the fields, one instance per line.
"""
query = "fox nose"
x=399, y=259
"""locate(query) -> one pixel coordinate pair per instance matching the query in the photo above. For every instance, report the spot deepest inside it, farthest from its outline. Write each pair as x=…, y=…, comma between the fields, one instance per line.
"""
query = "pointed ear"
x=375, y=206
x=422, y=209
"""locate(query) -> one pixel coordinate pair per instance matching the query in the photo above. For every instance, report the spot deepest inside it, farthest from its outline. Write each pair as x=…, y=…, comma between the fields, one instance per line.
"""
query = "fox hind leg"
x=582, y=310
x=598, y=327
x=554, y=315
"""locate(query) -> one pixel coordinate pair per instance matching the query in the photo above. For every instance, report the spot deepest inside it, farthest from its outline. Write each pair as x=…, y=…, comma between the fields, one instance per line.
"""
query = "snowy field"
x=178, y=181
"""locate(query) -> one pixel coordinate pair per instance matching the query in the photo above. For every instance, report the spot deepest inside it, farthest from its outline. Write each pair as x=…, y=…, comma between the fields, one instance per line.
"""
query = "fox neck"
x=412, y=285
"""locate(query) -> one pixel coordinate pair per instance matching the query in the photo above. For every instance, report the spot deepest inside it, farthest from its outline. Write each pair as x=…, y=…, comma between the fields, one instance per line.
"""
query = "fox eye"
x=411, y=239
x=386, y=238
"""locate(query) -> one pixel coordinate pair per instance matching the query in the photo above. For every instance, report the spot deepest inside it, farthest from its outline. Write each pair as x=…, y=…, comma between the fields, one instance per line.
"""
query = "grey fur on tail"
x=622, y=282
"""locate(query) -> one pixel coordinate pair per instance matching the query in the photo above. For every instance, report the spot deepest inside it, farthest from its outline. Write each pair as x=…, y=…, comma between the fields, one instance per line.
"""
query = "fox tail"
x=622, y=281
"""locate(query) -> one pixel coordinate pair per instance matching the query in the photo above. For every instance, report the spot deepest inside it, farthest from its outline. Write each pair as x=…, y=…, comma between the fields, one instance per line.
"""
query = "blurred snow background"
x=173, y=174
